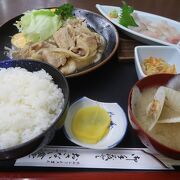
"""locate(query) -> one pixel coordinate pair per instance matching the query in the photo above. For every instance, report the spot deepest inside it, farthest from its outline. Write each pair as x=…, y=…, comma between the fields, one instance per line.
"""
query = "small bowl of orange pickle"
x=95, y=125
x=156, y=60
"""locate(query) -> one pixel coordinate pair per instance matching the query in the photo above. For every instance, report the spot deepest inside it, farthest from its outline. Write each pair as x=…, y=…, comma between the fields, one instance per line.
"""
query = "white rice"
x=29, y=103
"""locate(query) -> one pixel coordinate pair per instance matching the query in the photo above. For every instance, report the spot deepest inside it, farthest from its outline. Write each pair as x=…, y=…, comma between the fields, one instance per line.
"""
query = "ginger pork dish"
x=57, y=37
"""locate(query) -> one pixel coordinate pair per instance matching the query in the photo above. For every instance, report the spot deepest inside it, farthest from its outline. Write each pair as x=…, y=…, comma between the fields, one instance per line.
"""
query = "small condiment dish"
x=118, y=124
x=170, y=54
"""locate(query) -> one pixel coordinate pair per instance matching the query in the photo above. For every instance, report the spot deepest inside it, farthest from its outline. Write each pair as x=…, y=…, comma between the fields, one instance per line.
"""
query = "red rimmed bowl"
x=146, y=139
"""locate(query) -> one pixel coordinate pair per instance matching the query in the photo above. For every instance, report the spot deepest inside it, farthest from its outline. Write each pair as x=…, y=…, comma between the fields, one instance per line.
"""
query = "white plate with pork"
x=93, y=39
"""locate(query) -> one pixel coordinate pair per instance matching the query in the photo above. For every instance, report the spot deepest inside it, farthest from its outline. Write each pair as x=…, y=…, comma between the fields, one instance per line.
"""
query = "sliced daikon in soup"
x=134, y=98
x=174, y=83
x=155, y=107
x=165, y=107
x=172, y=99
x=169, y=116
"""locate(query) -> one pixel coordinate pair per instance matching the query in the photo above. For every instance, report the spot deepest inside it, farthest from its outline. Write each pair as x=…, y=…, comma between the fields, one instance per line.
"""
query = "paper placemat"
x=116, y=158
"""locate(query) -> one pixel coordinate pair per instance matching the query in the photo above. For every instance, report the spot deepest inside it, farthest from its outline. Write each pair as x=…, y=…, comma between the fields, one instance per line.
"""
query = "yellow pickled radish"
x=90, y=124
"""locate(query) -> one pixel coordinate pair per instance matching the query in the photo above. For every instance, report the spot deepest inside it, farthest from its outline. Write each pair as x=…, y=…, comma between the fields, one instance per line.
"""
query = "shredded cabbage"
x=38, y=25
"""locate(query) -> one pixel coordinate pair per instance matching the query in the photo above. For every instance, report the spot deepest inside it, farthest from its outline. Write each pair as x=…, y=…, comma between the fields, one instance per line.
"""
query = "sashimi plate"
x=105, y=10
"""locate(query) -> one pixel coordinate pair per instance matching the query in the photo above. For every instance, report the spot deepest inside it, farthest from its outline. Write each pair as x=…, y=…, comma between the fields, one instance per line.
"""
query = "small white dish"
x=118, y=124
x=105, y=10
x=170, y=54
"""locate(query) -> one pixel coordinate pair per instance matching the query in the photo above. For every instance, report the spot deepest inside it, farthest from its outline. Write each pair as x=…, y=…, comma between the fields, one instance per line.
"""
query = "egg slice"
x=90, y=124
x=18, y=40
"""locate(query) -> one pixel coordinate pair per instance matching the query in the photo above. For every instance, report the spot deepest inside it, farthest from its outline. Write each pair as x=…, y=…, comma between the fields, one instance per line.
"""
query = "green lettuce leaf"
x=39, y=25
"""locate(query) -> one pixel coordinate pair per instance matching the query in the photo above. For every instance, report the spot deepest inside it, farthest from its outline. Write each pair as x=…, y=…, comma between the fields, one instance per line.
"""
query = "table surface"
x=113, y=73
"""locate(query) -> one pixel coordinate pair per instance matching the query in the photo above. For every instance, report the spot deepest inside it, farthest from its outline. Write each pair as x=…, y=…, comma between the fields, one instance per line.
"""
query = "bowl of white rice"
x=34, y=99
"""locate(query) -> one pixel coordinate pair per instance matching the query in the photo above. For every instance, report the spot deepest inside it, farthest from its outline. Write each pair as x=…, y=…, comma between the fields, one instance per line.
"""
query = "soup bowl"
x=46, y=135
x=150, y=142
